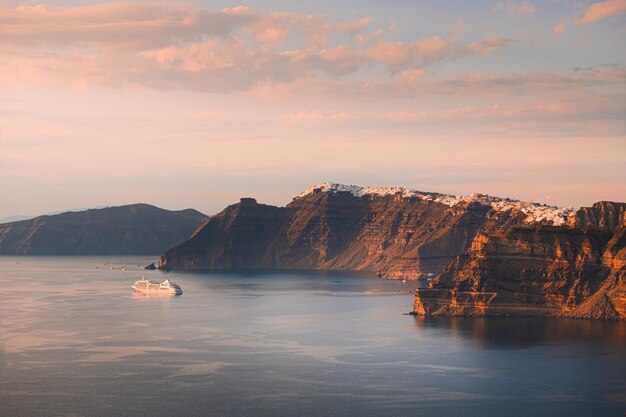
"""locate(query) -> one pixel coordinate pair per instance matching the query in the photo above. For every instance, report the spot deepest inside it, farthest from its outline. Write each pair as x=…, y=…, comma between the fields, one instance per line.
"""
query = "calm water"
x=75, y=341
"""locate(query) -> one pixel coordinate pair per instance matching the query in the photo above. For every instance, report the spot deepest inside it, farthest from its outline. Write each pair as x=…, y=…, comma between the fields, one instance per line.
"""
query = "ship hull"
x=158, y=292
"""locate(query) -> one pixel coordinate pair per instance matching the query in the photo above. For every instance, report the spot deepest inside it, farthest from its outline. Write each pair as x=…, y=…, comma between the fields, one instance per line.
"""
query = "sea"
x=76, y=341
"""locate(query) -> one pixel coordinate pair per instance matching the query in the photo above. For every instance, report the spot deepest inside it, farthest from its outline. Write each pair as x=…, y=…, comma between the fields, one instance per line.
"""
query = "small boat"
x=166, y=287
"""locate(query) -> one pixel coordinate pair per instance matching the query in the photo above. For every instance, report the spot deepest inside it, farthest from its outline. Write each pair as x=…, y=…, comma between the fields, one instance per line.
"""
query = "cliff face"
x=492, y=256
x=394, y=236
x=396, y=233
x=132, y=230
x=243, y=236
x=575, y=270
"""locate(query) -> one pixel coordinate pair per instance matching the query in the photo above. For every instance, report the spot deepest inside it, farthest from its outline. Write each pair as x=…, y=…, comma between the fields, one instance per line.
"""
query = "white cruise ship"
x=166, y=287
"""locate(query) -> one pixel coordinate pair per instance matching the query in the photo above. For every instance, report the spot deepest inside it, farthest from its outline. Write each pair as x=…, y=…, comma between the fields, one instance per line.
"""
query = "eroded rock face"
x=575, y=270
x=243, y=236
x=399, y=237
x=491, y=256
x=396, y=232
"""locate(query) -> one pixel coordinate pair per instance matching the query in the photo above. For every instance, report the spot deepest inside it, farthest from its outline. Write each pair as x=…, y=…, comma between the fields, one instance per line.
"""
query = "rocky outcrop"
x=575, y=270
x=243, y=236
x=136, y=229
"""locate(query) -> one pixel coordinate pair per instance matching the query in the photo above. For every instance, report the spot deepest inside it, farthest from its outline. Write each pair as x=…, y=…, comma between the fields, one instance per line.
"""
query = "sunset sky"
x=195, y=104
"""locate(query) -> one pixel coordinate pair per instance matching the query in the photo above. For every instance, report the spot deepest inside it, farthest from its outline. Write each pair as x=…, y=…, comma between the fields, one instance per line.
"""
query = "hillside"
x=130, y=230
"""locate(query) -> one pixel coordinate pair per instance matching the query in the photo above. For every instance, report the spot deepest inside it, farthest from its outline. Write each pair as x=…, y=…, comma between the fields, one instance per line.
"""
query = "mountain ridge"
x=130, y=229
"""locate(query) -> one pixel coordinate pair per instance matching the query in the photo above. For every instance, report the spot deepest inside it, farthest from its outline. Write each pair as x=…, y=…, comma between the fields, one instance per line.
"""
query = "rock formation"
x=492, y=256
x=399, y=237
x=574, y=270
x=138, y=229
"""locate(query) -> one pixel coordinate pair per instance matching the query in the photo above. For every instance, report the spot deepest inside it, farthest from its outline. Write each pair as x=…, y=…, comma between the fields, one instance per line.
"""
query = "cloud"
x=514, y=8
x=167, y=46
x=550, y=109
x=489, y=45
x=392, y=56
x=601, y=10
x=559, y=29
x=123, y=24
x=414, y=83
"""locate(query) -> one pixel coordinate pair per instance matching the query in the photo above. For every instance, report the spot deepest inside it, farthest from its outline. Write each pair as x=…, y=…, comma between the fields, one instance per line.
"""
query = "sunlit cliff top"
x=535, y=212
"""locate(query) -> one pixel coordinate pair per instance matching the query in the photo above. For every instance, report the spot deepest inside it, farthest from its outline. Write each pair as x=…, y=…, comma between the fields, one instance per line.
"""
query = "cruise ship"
x=166, y=287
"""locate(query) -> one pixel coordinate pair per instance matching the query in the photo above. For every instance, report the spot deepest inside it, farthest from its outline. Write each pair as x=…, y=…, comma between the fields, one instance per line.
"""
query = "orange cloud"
x=184, y=46
x=413, y=83
x=534, y=109
x=559, y=29
x=393, y=53
x=488, y=46
x=602, y=10
x=137, y=25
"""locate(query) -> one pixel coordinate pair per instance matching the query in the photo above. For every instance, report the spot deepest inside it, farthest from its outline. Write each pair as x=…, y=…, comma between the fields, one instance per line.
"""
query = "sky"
x=196, y=104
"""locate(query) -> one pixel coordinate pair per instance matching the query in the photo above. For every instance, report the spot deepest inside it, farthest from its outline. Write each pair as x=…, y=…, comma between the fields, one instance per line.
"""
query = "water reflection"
x=521, y=333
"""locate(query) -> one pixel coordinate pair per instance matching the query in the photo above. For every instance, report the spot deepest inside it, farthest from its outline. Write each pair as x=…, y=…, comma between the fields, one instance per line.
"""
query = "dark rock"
x=247, y=201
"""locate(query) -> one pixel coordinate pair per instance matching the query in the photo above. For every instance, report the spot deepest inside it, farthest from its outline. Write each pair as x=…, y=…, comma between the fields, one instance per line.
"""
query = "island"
x=489, y=256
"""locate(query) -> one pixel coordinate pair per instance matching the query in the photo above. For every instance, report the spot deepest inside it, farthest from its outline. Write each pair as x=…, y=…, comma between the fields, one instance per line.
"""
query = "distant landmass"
x=19, y=217
x=489, y=255
x=135, y=229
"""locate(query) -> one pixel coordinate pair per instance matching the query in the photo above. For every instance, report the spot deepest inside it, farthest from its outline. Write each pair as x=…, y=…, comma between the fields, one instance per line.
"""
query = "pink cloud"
x=488, y=46
x=393, y=53
x=414, y=83
x=419, y=52
x=533, y=109
x=601, y=10
x=138, y=25
x=559, y=29
x=184, y=46
x=537, y=83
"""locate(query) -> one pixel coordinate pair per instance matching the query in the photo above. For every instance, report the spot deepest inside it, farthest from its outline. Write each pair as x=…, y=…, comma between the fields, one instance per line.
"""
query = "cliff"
x=492, y=256
x=395, y=236
x=574, y=270
x=131, y=230
x=396, y=232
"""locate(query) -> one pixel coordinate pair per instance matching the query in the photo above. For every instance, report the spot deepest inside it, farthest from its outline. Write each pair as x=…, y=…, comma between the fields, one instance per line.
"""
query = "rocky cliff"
x=394, y=235
x=492, y=256
x=396, y=232
x=577, y=269
x=132, y=230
